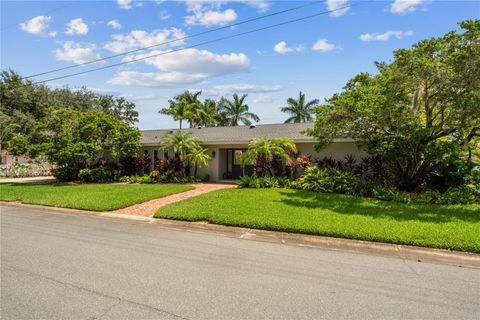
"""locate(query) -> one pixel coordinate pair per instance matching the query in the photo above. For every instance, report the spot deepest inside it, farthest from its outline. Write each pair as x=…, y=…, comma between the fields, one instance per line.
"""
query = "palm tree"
x=180, y=143
x=183, y=107
x=237, y=111
x=264, y=151
x=206, y=113
x=199, y=158
x=299, y=110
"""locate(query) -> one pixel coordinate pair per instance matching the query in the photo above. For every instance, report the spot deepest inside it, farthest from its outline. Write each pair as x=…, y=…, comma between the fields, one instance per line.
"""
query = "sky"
x=316, y=56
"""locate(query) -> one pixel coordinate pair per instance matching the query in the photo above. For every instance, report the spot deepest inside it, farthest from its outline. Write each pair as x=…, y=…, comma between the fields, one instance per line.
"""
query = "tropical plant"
x=236, y=110
x=180, y=144
x=207, y=113
x=262, y=152
x=199, y=158
x=299, y=109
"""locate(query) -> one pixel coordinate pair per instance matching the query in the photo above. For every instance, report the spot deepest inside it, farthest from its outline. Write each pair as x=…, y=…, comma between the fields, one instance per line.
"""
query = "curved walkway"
x=148, y=208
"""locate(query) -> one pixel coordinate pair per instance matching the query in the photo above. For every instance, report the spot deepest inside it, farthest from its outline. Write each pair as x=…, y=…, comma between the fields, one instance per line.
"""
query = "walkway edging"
x=404, y=252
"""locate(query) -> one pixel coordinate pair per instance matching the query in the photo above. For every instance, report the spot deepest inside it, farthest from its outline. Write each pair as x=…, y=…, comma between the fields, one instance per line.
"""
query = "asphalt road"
x=63, y=266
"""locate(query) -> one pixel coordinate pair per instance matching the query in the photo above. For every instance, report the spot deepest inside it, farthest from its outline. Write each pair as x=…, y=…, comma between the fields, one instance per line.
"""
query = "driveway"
x=61, y=266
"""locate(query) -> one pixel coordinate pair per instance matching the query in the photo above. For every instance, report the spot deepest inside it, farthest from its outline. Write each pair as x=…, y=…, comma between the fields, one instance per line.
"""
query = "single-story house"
x=226, y=144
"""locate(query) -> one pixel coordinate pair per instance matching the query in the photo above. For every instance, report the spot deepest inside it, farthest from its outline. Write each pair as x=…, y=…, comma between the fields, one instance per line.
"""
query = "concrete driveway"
x=62, y=266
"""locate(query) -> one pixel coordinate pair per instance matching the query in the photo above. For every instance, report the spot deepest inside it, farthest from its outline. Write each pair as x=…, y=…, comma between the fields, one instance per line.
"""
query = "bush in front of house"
x=99, y=175
x=263, y=182
x=156, y=177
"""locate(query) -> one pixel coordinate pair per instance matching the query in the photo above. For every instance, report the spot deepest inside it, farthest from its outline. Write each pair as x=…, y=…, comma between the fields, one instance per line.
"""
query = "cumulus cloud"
x=386, y=35
x=182, y=67
x=404, y=6
x=282, y=48
x=76, y=53
x=337, y=5
x=211, y=18
x=164, y=15
x=139, y=38
x=114, y=24
x=323, y=45
x=228, y=89
x=36, y=25
x=76, y=26
x=52, y=34
x=125, y=4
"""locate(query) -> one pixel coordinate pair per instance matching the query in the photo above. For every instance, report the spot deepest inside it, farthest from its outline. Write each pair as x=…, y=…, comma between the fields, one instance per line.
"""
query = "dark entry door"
x=234, y=167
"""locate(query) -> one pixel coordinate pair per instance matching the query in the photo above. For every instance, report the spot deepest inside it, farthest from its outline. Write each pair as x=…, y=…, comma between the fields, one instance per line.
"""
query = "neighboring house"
x=7, y=158
x=226, y=144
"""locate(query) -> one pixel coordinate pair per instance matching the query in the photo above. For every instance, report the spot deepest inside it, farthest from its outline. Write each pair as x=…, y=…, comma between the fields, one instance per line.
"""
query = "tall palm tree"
x=199, y=158
x=299, y=110
x=206, y=113
x=183, y=107
x=236, y=110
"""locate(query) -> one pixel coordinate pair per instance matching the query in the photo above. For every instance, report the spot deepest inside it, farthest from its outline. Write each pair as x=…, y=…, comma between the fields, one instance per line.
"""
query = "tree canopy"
x=421, y=112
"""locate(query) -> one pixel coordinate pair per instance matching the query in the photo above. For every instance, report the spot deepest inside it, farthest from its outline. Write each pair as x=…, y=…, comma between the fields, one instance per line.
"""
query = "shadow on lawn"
x=343, y=204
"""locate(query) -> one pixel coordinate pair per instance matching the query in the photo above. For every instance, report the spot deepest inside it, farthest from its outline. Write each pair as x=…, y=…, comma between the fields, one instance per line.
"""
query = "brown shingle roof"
x=239, y=134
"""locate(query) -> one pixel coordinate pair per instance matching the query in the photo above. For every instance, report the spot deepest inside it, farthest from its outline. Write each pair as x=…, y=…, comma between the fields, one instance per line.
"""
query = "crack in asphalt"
x=119, y=299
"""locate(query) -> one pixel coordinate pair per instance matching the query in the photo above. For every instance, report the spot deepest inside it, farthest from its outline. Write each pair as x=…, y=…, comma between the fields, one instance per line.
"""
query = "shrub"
x=65, y=173
x=137, y=179
x=328, y=180
x=268, y=182
x=99, y=175
x=462, y=195
x=263, y=182
x=249, y=182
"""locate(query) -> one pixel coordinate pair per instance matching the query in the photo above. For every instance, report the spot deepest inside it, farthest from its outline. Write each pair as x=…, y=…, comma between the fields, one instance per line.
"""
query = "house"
x=226, y=144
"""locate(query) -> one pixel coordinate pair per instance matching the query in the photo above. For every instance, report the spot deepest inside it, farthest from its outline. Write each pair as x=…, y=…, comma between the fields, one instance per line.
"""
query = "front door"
x=234, y=167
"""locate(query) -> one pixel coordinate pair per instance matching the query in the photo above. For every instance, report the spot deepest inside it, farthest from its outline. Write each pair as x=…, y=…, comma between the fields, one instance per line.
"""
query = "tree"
x=299, y=110
x=199, y=158
x=420, y=113
x=181, y=144
x=262, y=153
x=183, y=107
x=72, y=139
x=236, y=110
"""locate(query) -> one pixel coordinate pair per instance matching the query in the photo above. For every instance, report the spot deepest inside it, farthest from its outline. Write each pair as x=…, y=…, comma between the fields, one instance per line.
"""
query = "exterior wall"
x=217, y=165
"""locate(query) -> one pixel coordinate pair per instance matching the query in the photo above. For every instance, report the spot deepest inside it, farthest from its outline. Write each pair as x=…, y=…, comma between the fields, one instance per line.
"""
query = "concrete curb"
x=404, y=252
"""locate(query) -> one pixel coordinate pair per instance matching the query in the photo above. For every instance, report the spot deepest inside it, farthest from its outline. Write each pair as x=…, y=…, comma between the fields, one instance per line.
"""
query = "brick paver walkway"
x=147, y=209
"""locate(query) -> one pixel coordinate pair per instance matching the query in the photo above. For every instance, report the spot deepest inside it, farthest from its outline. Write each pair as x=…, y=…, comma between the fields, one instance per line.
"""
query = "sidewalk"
x=28, y=180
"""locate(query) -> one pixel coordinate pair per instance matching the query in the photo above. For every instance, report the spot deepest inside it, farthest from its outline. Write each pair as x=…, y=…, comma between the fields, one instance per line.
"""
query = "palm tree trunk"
x=180, y=123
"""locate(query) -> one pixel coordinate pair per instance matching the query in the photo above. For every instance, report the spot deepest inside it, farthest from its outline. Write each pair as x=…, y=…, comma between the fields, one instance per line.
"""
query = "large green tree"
x=299, y=109
x=421, y=112
x=73, y=139
x=236, y=110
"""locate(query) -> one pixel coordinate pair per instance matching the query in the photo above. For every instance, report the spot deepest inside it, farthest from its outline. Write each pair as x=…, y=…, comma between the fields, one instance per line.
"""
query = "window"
x=155, y=156
x=237, y=160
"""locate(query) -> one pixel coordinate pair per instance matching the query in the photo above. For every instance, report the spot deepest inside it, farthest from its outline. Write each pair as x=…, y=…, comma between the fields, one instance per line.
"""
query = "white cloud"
x=228, y=89
x=77, y=26
x=336, y=5
x=183, y=67
x=114, y=24
x=52, y=34
x=151, y=79
x=125, y=4
x=36, y=25
x=386, y=35
x=74, y=52
x=196, y=61
x=139, y=38
x=282, y=48
x=264, y=99
x=323, y=45
x=211, y=18
x=404, y=6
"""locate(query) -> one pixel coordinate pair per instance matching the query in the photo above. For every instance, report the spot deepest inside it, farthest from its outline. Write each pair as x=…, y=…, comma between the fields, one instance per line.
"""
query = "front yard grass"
x=447, y=227
x=95, y=197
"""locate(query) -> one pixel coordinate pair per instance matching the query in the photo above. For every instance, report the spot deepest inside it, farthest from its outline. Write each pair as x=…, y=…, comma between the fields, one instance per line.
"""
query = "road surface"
x=64, y=266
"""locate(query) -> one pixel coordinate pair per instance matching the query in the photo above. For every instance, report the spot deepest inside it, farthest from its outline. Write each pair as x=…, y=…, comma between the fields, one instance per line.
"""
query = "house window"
x=155, y=156
x=145, y=152
x=237, y=159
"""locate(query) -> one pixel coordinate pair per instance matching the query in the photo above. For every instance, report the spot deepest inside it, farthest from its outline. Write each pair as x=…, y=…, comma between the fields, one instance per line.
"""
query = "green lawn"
x=96, y=197
x=449, y=227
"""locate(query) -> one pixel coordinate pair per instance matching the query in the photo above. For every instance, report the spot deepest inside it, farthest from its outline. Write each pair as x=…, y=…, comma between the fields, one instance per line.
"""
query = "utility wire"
x=201, y=43
x=178, y=39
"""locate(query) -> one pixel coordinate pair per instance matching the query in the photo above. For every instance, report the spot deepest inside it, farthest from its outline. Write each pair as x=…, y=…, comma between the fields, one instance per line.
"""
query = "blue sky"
x=316, y=56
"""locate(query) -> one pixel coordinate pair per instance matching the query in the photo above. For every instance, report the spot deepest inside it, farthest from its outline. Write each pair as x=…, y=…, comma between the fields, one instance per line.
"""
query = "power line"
x=176, y=40
x=201, y=43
